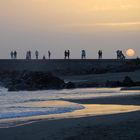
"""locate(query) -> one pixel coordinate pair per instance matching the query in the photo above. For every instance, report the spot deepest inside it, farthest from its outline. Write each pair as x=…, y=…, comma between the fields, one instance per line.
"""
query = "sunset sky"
x=57, y=25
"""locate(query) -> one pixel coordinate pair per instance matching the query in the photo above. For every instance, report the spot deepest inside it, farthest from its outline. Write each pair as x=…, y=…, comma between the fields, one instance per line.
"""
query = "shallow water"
x=27, y=104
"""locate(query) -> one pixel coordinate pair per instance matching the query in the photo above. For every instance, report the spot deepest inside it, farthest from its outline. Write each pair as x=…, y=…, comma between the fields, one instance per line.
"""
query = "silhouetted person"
x=49, y=54
x=120, y=54
x=83, y=55
x=36, y=54
x=100, y=54
x=26, y=55
x=44, y=58
x=15, y=55
x=30, y=54
x=12, y=54
x=65, y=54
x=68, y=54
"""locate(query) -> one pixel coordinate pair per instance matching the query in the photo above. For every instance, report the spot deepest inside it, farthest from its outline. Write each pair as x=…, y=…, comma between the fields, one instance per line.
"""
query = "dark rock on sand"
x=127, y=82
x=70, y=85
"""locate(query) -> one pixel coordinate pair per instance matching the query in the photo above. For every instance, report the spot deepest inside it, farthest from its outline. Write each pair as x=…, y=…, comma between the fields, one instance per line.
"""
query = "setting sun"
x=130, y=52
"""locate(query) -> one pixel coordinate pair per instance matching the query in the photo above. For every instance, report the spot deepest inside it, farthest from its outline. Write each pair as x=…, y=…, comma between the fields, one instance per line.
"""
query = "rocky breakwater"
x=31, y=81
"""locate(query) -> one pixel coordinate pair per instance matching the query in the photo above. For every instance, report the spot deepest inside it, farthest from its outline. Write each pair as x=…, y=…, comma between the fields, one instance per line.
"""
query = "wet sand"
x=114, y=118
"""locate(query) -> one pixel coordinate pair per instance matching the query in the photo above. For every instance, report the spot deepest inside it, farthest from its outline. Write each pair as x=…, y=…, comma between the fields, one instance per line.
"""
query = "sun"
x=130, y=52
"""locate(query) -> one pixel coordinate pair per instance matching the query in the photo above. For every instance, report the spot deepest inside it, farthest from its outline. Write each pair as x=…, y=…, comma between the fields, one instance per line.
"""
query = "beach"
x=119, y=121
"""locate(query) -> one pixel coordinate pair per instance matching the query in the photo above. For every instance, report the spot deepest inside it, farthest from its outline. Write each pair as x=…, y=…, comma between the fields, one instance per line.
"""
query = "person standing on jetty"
x=36, y=54
x=65, y=54
x=83, y=54
x=100, y=54
x=68, y=54
x=49, y=54
x=15, y=55
x=12, y=54
x=30, y=54
x=27, y=55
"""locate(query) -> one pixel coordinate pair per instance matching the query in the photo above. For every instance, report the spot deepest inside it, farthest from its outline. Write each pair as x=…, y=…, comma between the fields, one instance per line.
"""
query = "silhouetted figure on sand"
x=49, y=54
x=83, y=54
x=100, y=54
x=36, y=54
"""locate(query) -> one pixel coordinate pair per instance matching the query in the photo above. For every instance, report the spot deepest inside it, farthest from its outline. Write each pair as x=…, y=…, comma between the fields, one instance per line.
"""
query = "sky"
x=59, y=25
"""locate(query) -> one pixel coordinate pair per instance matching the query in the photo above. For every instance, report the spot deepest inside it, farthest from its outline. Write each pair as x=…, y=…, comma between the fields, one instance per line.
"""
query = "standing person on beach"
x=12, y=54
x=36, y=54
x=49, y=54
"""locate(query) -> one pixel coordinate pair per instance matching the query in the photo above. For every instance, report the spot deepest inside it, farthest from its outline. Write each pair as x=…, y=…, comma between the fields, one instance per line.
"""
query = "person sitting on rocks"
x=44, y=58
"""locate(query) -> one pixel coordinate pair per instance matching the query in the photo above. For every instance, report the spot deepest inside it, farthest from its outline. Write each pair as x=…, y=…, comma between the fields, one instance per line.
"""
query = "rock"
x=131, y=88
x=128, y=81
x=33, y=81
x=70, y=85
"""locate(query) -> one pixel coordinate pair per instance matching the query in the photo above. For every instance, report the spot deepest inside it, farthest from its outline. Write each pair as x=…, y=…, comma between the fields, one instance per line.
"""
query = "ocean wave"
x=19, y=111
x=34, y=100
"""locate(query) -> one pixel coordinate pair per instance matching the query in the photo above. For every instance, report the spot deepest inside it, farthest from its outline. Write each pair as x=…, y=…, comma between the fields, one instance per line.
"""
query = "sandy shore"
x=111, y=118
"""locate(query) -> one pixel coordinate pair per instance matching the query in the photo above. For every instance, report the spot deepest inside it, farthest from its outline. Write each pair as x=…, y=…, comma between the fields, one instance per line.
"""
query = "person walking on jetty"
x=12, y=54
x=49, y=54
x=100, y=53
x=36, y=54
x=83, y=54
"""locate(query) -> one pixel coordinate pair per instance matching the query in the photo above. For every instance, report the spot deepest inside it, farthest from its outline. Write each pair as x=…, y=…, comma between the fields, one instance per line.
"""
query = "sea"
x=36, y=103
